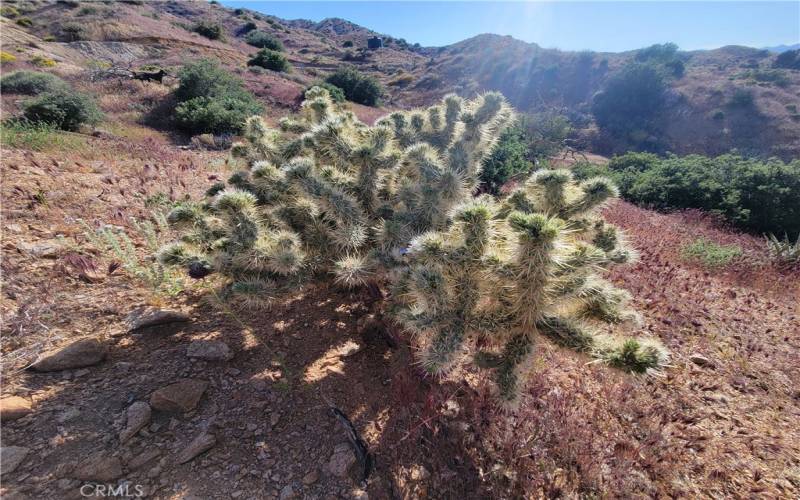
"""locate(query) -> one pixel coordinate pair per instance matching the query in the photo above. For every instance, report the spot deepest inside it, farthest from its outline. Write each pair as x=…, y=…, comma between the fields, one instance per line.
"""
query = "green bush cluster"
x=208, y=29
x=55, y=104
x=508, y=158
x=357, y=87
x=211, y=100
x=665, y=55
x=263, y=40
x=756, y=195
x=30, y=83
x=532, y=138
x=63, y=108
x=72, y=32
x=270, y=59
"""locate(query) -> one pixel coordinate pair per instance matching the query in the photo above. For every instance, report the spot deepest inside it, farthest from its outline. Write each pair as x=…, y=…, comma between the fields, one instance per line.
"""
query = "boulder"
x=341, y=461
x=11, y=457
x=42, y=249
x=148, y=317
x=138, y=416
x=83, y=352
x=14, y=407
x=181, y=396
x=200, y=444
x=142, y=459
x=209, y=350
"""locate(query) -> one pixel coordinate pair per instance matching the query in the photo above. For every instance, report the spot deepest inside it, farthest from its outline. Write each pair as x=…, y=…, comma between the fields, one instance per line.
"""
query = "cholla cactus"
x=329, y=194
x=504, y=272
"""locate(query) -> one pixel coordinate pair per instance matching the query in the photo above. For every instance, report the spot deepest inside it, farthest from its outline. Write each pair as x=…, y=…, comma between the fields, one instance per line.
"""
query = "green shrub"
x=248, y=27
x=212, y=100
x=270, y=59
x=263, y=40
x=72, y=32
x=9, y=11
x=63, y=108
x=710, y=253
x=87, y=10
x=30, y=83
x=757, y=195
x=357, y=87
x=508, y=158
x=347, y=44
x=208, y=29
x=25, y=22
x=212, y=115
x=336, y=94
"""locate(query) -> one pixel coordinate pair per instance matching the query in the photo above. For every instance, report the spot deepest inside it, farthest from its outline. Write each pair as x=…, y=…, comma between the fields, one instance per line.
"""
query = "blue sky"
x=600, y=26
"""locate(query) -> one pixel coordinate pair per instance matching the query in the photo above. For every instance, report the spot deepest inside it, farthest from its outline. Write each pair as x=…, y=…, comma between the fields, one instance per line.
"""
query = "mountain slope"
x=700, y=116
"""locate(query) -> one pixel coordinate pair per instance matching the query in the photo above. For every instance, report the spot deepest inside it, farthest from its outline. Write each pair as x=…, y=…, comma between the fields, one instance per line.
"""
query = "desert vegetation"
x=757, y=195
x=270, y=59
x=403, y=187
x=356, y=86
x=210, y=99
x=349, y=281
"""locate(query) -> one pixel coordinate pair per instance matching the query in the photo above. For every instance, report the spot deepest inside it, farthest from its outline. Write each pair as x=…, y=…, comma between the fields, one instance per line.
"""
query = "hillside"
x=158, y=388
x=700, y=115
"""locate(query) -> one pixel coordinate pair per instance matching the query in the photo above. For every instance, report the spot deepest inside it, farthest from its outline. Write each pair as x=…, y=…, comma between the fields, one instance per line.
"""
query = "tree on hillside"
x=629, y=108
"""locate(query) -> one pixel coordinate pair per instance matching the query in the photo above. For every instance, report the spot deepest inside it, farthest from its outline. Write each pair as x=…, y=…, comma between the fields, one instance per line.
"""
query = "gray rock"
x=83, y=352
x=181, y=396
x=14, y=407
x=99, y=467
x=138, y=416
x=11, y=457
x=701, y=360
x=209, y=350
x=200, y=444
x=341, y=461
x=149, y=317
x=288, y=492
x=311, y=478
x=44, y=249
x=143, y=458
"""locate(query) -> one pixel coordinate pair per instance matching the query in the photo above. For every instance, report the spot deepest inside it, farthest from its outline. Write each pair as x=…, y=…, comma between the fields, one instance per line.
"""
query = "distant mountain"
x=783, y=48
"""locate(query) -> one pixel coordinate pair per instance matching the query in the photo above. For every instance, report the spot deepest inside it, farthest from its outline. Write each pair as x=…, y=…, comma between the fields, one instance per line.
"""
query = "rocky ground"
x=215, y=403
